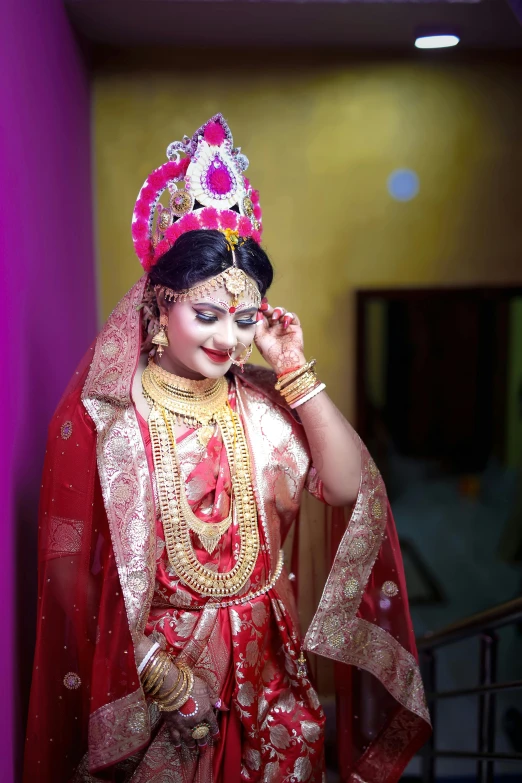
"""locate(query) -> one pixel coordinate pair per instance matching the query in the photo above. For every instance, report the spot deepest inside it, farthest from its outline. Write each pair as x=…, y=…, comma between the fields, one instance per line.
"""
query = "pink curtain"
x=48, y=301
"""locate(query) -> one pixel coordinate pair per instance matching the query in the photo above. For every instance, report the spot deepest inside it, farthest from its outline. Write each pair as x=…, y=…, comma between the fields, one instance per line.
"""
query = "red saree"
x=98, y=577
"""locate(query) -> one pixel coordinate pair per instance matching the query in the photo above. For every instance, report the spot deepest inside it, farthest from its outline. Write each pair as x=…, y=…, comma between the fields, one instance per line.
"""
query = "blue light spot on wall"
x=403, y=184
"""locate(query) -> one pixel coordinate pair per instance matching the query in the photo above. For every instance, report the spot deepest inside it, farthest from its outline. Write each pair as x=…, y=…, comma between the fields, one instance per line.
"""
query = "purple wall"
x=48, y=301
x=516, y=5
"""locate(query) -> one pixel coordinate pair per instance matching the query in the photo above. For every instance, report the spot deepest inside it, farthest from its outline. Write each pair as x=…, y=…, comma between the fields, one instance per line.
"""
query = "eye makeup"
x=209, y=319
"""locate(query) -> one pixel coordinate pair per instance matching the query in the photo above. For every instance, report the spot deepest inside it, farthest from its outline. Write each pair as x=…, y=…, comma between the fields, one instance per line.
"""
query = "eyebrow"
x=209, y=306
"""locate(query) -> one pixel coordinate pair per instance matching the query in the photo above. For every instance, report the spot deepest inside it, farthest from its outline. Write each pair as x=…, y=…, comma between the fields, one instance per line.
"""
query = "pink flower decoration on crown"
x=214, y=134
x=207, y=191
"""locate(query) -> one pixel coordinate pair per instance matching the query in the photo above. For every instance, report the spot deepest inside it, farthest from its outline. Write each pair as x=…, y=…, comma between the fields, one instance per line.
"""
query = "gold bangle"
x=299, y=392
x=176, y=687
x=175, y=704
x=287, y=377
x=291, y=376
x=161, y=679
x=144, y=674
x=304, y=393
x=296, y=381
x=176, y=691
x=151, y=664
x=293, y=384
x=284, y=379
x=299, y=383
x=150, y=672
x=161, y=664
x=306, y=382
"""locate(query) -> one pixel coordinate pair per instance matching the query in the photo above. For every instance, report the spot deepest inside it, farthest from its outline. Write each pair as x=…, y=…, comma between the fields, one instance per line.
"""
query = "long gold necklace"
x=174, y=506
x=193, y=403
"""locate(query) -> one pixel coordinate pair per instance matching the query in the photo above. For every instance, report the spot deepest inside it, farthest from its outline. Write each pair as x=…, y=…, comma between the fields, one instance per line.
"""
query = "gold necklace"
x=194, y=403
x=177, y=522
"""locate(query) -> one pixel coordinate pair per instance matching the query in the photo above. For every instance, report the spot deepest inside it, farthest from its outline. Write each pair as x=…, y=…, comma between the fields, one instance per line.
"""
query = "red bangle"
x=189, y=708
x=292, y=369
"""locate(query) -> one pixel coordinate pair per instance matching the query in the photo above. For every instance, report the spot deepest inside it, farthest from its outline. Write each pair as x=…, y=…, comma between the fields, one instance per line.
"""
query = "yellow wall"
x=322, y=140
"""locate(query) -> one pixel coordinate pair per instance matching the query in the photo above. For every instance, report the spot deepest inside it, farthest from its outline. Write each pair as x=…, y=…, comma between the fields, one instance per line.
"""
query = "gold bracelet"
x=175, y=688
x=176, y=691
x=287, y=377
x=161, y=679
x=302, y=382
x=161, y=664
x=308, y=381
x=303, y=393
x=284, y=380
x=296, y=381
x=150, y=672
x=175, y=704
x=185, y=696
x=144, y=674
x=305, y=397
x=150, y=665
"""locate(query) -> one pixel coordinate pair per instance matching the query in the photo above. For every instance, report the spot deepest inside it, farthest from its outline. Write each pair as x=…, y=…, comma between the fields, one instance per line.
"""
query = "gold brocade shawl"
x=281, y=466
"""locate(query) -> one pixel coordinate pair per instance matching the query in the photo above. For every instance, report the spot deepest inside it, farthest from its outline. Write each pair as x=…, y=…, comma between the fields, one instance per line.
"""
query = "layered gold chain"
x=177, y=516
x=193, y=403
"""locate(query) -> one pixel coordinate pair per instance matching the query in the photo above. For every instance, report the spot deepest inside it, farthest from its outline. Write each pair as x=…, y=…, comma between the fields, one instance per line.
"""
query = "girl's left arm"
x=334, y=448
x=335, y=452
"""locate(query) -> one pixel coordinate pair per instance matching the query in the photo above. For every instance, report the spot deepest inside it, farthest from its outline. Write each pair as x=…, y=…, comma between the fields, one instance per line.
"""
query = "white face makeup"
x=203, y=331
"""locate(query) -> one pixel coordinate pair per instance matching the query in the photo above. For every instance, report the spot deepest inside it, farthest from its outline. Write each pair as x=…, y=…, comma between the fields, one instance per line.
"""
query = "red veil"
x=88, y=715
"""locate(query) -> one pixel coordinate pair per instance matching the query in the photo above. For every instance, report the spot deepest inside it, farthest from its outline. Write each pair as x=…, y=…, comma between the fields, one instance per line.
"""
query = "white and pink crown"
x=207, y=191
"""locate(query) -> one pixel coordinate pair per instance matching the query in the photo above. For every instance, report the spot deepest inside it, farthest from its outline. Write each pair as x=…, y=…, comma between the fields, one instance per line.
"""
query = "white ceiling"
x=284, y=23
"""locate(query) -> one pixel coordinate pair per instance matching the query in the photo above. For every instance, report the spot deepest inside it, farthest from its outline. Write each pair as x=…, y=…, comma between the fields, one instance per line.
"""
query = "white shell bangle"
x=309, y=395
x=148, y=656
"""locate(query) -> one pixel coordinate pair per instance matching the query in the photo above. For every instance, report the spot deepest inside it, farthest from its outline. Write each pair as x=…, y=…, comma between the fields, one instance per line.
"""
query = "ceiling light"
x=436, y=41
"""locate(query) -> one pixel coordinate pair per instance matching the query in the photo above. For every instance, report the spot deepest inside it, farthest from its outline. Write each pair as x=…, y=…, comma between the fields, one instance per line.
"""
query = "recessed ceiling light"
x=436, y=41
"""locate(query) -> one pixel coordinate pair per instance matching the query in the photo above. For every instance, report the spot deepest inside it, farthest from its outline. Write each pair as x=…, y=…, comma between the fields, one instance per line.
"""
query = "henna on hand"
x=285, y=357
x=180, y=727
x=279, y=339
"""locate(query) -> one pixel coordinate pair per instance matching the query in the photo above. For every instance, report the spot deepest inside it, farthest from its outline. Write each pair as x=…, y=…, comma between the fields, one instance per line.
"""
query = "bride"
x=168, y=644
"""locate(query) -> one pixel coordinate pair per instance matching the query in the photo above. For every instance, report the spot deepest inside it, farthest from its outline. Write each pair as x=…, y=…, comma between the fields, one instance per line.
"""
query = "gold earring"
x=241, y=360
x=160, y=339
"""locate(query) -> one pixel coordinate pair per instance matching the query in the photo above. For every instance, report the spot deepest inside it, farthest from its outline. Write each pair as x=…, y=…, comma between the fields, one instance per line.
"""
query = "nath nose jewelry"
x=241, y=360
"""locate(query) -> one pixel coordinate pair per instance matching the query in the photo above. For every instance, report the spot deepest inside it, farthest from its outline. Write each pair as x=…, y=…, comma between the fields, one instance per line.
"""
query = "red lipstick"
x=216, y=356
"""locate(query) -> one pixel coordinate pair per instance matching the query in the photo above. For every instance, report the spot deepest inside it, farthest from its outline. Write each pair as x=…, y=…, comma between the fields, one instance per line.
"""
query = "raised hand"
x=279, y=338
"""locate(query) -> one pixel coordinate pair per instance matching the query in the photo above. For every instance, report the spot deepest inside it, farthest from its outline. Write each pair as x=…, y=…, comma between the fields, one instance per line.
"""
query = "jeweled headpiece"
x=207, y=188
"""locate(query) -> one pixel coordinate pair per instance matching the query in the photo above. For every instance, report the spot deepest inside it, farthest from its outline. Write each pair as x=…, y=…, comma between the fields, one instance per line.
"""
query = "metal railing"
x=482, y=625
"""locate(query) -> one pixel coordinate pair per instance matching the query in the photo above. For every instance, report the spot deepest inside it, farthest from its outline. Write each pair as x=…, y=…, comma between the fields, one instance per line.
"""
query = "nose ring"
x=241, y=360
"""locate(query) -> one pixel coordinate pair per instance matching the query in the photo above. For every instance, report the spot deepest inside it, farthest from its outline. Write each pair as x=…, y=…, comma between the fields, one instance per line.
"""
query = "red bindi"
x=231, y=309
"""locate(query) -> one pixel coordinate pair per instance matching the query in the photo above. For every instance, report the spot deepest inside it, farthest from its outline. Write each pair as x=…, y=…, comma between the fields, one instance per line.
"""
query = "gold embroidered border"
x=371, y=648
x=65, y=537
x=334, y=631
x=122, y=461
x=353, y=561
x=116, y=729
x=389, y=751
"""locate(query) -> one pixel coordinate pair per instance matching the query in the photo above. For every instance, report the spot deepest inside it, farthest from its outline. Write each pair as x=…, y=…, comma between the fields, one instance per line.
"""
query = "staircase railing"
x=484, y=626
